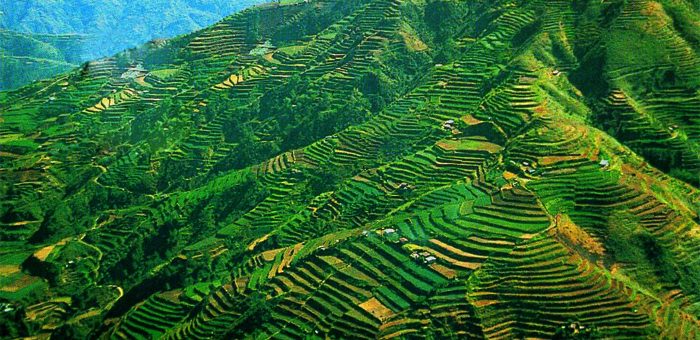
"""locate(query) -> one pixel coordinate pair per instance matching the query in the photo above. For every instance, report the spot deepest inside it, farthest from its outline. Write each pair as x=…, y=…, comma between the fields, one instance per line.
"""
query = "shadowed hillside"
x=365, y=169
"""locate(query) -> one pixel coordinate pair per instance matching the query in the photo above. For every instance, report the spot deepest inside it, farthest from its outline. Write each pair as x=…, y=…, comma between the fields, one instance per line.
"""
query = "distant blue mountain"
x=40, y=38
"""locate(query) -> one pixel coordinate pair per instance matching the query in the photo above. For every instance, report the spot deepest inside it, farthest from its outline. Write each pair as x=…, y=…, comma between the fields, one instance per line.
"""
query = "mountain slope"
x=85, y=30
x=364, y=169
x=27, y=57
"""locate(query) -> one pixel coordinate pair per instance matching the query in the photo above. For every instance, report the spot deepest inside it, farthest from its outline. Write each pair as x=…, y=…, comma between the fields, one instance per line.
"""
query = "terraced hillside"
x=365, y=169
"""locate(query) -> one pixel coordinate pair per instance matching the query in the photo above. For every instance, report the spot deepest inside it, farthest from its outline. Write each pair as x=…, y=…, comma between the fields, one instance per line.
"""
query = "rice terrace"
x=351, y=169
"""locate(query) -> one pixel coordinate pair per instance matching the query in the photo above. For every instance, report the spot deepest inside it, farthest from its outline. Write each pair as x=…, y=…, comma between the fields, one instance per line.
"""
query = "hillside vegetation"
x=27, y=57
x=365, y=169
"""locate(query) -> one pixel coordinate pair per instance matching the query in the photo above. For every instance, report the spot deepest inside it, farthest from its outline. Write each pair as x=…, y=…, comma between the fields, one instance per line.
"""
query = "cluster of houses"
x=134, y=72
x=405, y=187
x=575, y=327
x=424, y=256
x=324, y=248
x=6, y=308
x=74, y=262
x=448, y=125
x=393, y=235
x=528, y=167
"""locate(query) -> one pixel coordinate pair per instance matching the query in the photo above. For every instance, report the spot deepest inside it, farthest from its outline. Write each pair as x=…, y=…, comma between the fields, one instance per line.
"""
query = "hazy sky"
x=114, y=25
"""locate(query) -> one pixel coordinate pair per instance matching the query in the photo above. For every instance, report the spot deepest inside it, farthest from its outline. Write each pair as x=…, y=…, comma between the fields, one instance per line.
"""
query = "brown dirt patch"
x=444, y=271
x=8, y=269
x=172, y=295
x=43, y=253
x=270, y=254
x=484, y=303
x=241, y=283
x=22, y=282
x=256, y=242
x=509, y=175
x=549, y=160
x=577, y=236
x=465, y=144
x=413, y=42
x=454, y=250
x=141, y=81
x=377, y=309
x=470, y=120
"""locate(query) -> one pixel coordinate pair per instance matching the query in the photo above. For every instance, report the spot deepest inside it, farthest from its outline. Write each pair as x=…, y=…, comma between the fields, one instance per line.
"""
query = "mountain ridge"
x=80, y=31
x=366, y=169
